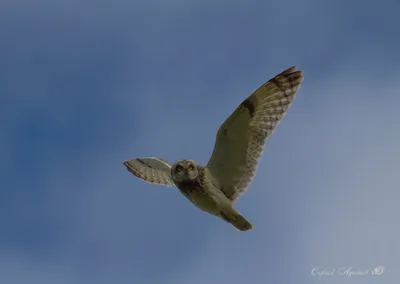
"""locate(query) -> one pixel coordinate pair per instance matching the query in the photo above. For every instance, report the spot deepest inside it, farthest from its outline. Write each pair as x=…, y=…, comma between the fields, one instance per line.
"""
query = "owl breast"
x=200, y=194
x=191, y=189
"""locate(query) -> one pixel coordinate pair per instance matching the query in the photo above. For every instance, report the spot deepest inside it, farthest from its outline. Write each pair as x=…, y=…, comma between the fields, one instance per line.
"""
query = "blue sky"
x=85, y=85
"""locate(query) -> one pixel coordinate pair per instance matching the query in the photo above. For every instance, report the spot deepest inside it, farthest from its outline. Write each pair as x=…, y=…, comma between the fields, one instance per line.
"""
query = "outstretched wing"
x=240, y=139
x=152, y=170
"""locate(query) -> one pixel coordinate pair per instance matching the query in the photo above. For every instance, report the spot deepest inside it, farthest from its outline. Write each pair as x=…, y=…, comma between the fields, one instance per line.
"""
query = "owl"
x=239, y=143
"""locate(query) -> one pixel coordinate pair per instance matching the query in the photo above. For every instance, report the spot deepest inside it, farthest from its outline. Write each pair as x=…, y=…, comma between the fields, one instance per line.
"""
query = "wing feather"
x=241, y=138
x=152, y=170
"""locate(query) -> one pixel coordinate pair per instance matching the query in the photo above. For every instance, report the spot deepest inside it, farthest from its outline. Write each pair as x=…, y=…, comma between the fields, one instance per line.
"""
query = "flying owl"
x=233, y=162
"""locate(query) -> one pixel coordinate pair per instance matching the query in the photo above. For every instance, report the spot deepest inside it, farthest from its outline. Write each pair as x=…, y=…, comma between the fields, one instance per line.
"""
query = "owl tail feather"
x=237, y=220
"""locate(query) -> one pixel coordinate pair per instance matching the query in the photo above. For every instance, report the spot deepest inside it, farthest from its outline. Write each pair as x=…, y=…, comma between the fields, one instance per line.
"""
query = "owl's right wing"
x=152, y=170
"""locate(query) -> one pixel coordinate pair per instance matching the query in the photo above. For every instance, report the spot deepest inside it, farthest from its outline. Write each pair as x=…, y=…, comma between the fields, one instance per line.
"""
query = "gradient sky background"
x=85, y=85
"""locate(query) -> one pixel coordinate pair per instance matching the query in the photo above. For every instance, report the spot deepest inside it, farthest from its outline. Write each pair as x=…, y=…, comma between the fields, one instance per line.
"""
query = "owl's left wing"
x=152, y=170
x=240, y=139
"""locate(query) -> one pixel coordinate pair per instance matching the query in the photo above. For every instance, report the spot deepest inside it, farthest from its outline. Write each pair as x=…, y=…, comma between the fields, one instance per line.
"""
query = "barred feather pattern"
x=151, y=170
x=241, y=138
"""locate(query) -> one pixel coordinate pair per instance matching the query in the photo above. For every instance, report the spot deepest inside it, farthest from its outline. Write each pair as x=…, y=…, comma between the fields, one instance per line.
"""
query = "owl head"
x=184, y=170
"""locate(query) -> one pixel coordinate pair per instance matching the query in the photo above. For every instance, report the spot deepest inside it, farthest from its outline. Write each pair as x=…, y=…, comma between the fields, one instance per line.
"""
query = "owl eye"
x=179, y=168
x=190, y=168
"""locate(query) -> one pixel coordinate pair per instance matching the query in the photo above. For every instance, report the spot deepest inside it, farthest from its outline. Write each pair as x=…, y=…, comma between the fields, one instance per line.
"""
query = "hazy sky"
x=85, y=85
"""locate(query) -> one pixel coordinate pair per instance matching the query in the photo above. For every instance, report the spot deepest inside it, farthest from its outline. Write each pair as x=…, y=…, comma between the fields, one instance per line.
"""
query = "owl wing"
x=152, y=170
x=240, y=139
